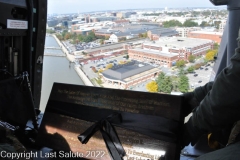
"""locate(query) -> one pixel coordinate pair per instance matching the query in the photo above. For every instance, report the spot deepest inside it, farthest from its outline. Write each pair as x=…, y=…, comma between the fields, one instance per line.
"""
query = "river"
x=56, y=69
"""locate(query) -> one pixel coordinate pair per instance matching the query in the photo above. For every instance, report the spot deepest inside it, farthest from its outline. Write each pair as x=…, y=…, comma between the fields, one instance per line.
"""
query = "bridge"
x=54, y=54
x=56, y=48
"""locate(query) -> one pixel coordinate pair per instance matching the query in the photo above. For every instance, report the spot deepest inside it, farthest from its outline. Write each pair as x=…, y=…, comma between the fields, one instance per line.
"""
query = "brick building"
x=214, y=36
x=153, y=56
x=168, y=50
x=130, y=74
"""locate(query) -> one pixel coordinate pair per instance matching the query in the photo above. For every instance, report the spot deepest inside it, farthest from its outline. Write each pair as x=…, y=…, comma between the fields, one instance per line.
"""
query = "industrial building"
x=214, y=36
x=130, y=74
x=168, y=50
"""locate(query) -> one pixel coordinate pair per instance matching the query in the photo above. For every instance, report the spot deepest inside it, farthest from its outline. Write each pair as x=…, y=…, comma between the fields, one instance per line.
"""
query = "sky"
x=75, y=6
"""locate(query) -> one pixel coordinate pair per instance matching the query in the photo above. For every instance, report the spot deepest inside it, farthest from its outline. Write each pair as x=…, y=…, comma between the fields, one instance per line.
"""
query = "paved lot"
x=99, y=65
x=203, y=76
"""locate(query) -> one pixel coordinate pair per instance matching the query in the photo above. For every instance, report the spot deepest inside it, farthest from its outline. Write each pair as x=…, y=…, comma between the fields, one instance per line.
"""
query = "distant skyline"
x=75, y=6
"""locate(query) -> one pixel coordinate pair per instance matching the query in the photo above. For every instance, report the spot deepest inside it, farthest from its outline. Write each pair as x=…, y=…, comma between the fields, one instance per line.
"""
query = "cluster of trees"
x=176, y=23
x=77, y=37
x=191, y=13
x=142, y=35
x=102, y=38
x=190, y=23
x=216, y=24
x=87, y=38
x=181, y=63
x=172, y=23
x=50, y=31
x=211, y=54
x=167, y=84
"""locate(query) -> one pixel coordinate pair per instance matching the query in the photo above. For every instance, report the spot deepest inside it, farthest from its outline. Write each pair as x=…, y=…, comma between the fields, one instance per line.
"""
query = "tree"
x=140, y=35
x=127, y=56
x=215, y=46
x=164, y=83
x=91, y=36
x=84, y=53
x=172, y=23
x=100, y=70
x=210, y=55
x=67, y=36
x=160, y=80
x=59, y=37
x=181, y=72
x=197, y=66
x=109, y=66
x=101, y=41
x=50, y=31
x=183, y=84
x=204, y=24
x=152, y=86
x=217, y=24
x=167, y=85
x=107, y=37
x=190, y=23
x=191, y=58
x=145, y=35
x=190, y=69
x=180, y=63
x=63, y=33
x=175, y=83
x=121, y=62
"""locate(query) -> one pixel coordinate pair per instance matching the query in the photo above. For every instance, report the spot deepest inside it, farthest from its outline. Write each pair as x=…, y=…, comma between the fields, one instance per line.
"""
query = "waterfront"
x=56, y=69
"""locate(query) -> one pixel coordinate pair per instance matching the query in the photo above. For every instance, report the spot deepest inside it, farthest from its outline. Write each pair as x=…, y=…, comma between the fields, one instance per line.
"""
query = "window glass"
x=132, y=45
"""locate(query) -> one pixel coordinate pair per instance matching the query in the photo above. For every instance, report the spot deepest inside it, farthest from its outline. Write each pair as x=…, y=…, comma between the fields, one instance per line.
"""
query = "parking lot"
x=83, y=45
x=203, y=76
x=101, y=64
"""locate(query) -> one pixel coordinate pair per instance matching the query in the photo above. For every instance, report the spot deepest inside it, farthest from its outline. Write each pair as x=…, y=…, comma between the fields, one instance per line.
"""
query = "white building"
x=183, y=32
x=113, y=38
x=222, y=25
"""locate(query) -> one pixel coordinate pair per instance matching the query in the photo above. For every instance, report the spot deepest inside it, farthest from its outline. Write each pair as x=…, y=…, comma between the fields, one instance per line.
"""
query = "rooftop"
x=178, y=42
x=129, y=71
x=164, y=32
x=110, y=46
x=206, y=32
x=156, y=52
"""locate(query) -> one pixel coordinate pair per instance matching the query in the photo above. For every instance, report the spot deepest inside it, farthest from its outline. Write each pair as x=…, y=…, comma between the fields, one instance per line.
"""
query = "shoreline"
x=64, y=49
x=71, y=59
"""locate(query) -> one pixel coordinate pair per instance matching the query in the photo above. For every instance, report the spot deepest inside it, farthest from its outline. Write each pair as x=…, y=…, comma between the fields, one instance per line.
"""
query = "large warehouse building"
x=130, y=74
x=168, y=50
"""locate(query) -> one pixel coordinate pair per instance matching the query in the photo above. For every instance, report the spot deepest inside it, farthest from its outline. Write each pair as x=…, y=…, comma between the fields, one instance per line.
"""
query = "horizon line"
x=138, y=9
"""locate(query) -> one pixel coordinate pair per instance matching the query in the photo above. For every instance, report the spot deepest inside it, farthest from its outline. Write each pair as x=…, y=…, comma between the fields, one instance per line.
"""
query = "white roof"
x=206, y=32
x=178, y=42
x=161, y=53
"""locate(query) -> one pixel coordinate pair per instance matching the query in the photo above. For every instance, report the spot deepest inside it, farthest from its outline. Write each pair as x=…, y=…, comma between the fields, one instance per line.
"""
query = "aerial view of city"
x=169, y=48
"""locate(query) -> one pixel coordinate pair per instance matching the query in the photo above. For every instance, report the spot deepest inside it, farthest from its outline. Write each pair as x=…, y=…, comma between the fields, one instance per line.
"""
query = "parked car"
x=206, y=69
x=199, y=81
x=195, y=75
